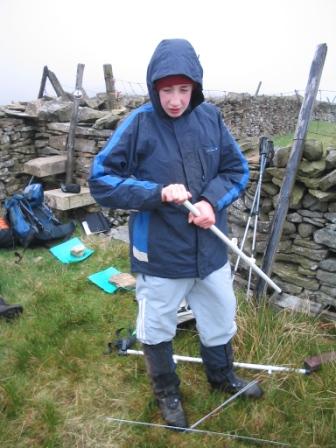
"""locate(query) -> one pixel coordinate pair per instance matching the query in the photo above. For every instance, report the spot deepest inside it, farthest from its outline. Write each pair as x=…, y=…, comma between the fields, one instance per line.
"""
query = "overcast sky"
x=240, y=42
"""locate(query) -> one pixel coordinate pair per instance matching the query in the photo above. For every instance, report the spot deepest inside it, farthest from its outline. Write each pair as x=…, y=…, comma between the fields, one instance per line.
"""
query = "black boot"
x=218, y=363
x=9, y=311
x=165, y=382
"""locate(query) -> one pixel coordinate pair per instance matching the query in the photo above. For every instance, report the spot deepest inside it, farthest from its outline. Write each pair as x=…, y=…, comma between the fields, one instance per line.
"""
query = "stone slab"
x=45, y=166
x=58, y=200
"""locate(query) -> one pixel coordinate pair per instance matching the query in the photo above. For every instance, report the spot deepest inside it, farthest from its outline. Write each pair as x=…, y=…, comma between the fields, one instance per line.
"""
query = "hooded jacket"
x=149, y=150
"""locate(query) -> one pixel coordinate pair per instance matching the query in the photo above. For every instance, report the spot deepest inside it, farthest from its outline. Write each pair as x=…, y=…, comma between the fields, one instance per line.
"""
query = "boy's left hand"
x=207, y=217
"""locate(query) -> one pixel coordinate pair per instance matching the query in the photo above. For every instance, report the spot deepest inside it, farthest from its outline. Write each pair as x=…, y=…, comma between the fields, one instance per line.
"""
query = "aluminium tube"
x=234, y=248
x=244, y=365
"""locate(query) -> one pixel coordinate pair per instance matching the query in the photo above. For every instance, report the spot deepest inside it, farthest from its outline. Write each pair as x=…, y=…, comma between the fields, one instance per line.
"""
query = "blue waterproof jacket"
x=149, y=150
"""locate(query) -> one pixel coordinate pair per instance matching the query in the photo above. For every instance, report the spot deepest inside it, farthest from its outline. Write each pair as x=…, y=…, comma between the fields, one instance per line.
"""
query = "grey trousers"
x=212, y=301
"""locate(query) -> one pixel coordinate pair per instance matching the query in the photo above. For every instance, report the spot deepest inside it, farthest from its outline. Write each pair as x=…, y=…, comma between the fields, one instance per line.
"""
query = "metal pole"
x=233, y=397
x=234, y=248
x=197, y=431
x=268, y=368
x=263, y=162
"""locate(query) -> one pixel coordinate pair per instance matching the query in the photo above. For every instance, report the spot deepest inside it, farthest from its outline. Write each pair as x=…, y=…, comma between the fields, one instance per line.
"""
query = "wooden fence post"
x=55, y=83
x=292, y=166
x=110, y=85
x=43, y=81
x=77, y=95
x=258, y=88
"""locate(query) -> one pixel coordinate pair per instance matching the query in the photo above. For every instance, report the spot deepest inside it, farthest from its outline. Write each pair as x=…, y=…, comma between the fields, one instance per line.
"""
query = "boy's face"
x=175, y=99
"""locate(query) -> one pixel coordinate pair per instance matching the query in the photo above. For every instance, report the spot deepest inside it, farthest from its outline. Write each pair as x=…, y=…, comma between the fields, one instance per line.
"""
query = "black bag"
x=32, y=221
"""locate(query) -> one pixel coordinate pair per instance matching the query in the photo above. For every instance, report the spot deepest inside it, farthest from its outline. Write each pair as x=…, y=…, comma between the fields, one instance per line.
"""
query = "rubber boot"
x=9, y=311
x=165, y=382
x=218, y=363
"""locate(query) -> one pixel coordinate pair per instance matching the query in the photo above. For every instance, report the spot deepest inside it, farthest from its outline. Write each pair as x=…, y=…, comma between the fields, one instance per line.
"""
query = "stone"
x=299, y=304
x=279, y=173
x=326, y=277
x=110, y=120
x=312, y=150
x=322, y=298
x=85, y=145
x=86, y=115
x=328, y=264
x=58, y=141
x=306, y=230
x=80, y=130
x=288, y=288
x=312, y=203
x=326, y=236
x=281, y=157
x=289, y=273
x=269, y=189
x=331, y=158
x=58, y=200
x=57, y=110
x=323, y=196
x=308, y=182
x=329, y=290
x=294, y=217
x=45, y=166
x=308, y=243
x=295, y=197
x=302, y=261
x=306, y=272
x=317, y=255
x=330, y=217
x=328, y=181
x=314, y=221
x=312, y=169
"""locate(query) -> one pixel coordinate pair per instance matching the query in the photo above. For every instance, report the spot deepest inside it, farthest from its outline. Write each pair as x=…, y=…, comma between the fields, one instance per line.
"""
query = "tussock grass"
x=58, y=385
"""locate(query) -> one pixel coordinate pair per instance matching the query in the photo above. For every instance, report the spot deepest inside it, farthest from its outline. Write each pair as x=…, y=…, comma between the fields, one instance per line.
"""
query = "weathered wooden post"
x=292, y=166
x=43, y=82
x=56, y=84
x=77, y=95
x=110, y=86
x=258, y=88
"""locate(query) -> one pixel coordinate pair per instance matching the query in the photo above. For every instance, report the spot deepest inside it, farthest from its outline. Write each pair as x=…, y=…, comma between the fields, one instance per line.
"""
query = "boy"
x=167, y=151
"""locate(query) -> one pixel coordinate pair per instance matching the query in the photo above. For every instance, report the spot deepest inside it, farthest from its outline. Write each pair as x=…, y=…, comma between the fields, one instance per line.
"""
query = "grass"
x=318, y=130
x=58, y=385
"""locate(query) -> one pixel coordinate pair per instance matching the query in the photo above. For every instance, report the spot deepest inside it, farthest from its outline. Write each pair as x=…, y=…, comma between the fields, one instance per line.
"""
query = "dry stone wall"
x=306, y=260
x=305, y=264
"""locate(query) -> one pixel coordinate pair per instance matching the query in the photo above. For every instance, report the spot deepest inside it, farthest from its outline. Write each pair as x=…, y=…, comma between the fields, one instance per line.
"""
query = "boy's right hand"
x=176, y=193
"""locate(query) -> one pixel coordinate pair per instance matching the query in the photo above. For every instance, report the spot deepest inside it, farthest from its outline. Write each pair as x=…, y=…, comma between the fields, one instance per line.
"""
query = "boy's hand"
x=176, y=193
x=207, y=217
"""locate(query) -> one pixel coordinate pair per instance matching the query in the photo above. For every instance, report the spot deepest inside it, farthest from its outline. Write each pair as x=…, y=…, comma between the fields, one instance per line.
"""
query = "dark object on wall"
x=96, y=223
x=9, y=311
x=70, y=188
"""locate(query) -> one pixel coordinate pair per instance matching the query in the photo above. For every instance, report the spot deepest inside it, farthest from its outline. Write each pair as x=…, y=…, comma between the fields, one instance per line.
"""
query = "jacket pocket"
x=209, y=158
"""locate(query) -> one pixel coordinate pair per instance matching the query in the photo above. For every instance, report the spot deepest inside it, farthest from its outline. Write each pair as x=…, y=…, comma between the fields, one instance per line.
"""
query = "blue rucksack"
x=31, y=220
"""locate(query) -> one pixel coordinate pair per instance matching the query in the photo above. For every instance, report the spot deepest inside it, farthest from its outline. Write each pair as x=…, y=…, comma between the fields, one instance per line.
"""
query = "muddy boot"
x=9, y=311
x=218, y=363
x=165, y=383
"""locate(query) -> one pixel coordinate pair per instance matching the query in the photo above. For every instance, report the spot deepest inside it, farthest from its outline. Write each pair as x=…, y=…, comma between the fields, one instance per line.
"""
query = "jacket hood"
x=175, y=57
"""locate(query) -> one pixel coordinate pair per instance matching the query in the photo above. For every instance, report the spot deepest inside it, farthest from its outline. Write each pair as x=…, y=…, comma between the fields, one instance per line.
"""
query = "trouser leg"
x=165, y=382
x=218, y=364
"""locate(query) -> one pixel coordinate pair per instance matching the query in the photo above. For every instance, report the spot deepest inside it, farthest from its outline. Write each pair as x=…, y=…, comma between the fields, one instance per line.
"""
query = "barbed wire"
x=134, y=88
